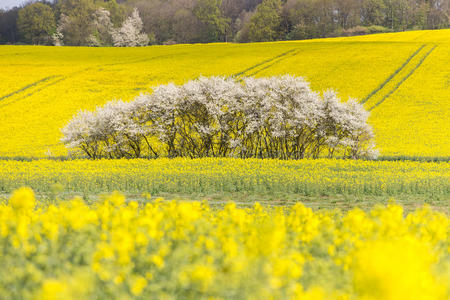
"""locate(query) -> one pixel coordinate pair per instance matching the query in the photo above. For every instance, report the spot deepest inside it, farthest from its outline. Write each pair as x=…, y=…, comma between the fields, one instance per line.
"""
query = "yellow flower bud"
x=23, y=199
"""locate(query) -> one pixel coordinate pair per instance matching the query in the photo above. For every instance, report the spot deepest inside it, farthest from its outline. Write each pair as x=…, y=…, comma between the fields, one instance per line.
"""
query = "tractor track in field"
x=15, y=53
x=396, y=79
x=62, y=78
x=274, y=62
x=140, y=60
x=29, y=86
x=403, y=79
x=264, y=62
x=392, y=75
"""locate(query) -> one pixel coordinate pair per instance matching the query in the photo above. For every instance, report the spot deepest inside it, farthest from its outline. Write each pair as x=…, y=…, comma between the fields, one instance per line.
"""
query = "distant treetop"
x=96, y=22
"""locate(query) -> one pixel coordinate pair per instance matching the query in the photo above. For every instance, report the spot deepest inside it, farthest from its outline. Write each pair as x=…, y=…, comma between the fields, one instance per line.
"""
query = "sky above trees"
x=10, y=3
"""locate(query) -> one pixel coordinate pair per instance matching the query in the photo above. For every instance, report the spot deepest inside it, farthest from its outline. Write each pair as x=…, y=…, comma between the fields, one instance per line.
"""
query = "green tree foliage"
x=117, y=12
x=36, y=23
x=192, y=21
x=265, y=23
x=373, y=12
x=8, y=26
x=214, y=24
x=311, y=18
x=78, y=25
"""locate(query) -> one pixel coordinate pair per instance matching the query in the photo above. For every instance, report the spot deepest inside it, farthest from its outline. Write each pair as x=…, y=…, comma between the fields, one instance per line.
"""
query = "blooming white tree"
x=58, y=36
x=82, y=133
x=276, y=117
x=131, y=33
x=103, y=28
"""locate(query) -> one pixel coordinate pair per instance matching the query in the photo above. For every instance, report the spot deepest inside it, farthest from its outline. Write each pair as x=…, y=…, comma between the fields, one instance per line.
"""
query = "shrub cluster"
x=361, y=30
x=276, y=117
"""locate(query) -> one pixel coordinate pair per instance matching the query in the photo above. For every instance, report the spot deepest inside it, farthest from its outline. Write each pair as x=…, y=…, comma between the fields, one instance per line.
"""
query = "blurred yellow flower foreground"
x=115, y=249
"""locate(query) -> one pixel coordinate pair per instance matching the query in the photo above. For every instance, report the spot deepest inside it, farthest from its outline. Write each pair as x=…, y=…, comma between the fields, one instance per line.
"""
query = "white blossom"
x=130, y=34
x=277, y=117
x=58, y=36
x=103, y=28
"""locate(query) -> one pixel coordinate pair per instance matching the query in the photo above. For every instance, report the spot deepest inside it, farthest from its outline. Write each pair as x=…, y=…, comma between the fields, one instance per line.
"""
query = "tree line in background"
x=143, y=22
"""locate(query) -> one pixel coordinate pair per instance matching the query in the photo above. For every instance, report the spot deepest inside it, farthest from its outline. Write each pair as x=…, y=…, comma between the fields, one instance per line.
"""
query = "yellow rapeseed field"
x=166, y=250
x=52, y=247
x=41, y=88
x=419, y=127
x=217, y=175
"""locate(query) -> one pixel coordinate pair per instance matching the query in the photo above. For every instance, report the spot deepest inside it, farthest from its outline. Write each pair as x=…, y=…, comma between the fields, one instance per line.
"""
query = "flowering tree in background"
x=58, y=36
x=131, y=33
x=103, y=31
x=103, y=28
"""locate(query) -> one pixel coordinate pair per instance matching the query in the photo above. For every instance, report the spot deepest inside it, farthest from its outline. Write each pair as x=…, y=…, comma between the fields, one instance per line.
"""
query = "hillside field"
x=403, y=78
